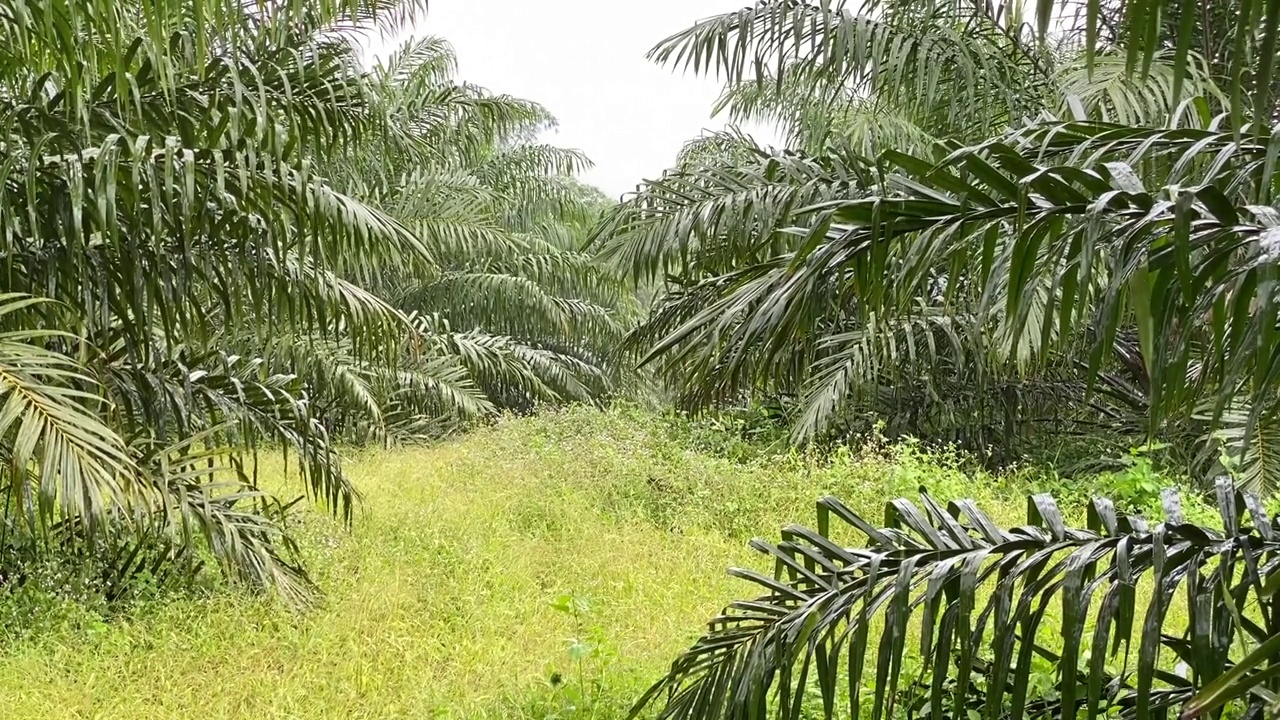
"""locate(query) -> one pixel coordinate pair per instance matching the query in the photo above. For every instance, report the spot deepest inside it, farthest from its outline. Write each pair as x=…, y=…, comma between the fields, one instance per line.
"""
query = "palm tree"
x=973, y=202
x=510, y=313
x=1081, y=188
x=159, y=188
x=513, y=298
x=221, y=233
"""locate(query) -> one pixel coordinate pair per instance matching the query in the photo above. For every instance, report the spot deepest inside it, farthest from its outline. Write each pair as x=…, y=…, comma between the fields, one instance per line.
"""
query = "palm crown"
x=968, y=208
x=221, y=232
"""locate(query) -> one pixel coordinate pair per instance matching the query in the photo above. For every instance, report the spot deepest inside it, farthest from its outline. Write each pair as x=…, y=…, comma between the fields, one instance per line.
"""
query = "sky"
x=584, y=60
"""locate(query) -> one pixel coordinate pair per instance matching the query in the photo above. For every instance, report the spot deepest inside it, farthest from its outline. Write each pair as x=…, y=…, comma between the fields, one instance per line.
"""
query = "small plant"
x=579, y=694
x=740, y=435
x=1137, y=485
x=60, y=581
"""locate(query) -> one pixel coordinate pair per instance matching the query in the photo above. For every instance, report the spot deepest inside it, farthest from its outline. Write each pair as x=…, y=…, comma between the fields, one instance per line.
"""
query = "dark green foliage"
x=1043, y=224
x=975, y=234
x=1112, y=606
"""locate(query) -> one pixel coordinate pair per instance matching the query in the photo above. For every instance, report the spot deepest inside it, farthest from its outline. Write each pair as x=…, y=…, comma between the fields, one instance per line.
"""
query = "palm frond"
x=49, y=425
x=1106, y=91
x=1034, y=235
x=980, y=597
x=956, y=64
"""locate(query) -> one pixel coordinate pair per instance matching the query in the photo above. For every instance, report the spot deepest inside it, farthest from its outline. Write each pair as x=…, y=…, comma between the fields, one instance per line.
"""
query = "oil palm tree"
x=844, y=265
x=159, y=187
x=510, y=313
x=221, y=233
x=1039, y=220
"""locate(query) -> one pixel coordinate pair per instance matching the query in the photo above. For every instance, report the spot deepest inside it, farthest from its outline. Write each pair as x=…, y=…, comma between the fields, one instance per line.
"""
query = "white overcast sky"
x=584, y=60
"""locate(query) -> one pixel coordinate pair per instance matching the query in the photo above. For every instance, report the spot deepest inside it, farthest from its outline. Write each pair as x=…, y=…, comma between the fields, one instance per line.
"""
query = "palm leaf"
x=980, y=596
x=49, y=423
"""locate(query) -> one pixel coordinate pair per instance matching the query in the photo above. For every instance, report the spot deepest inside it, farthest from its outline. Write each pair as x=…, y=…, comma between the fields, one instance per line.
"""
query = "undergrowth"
x=547, y=567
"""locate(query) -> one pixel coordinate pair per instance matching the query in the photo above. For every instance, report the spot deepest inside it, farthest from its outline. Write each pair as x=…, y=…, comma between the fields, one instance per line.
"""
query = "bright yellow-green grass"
x=439, y=601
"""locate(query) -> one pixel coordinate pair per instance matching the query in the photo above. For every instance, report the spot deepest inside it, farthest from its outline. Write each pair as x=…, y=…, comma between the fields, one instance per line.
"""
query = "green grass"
x=440, y=600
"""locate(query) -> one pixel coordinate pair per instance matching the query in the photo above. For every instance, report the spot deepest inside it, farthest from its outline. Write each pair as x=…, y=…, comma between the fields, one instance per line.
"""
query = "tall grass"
x=546, y=567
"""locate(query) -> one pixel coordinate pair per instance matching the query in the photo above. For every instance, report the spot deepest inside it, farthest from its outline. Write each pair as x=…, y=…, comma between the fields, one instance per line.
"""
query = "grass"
x=441, y=601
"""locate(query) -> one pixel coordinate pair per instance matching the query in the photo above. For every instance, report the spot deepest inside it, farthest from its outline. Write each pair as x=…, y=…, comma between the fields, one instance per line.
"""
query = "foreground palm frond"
x=945, y=613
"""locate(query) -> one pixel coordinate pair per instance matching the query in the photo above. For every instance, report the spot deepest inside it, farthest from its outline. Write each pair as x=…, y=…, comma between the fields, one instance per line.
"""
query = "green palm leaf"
x=828, y=631
x=49, y=423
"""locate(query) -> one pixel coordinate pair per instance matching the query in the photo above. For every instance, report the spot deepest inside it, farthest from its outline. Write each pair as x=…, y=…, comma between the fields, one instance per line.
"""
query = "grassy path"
x=439, y=602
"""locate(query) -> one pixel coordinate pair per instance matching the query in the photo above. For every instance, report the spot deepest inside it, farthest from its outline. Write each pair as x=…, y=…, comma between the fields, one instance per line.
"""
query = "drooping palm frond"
x=953, y=64
x=1106, y=91
x=64, y=460
x=1035, y=240
x=1236, y=39
x=238, y=523
x=811, y=116
x=60, y=35
x=720, y=212
x=428, y=61
x=718, y=146
x=943, y=611
x=1251, y=455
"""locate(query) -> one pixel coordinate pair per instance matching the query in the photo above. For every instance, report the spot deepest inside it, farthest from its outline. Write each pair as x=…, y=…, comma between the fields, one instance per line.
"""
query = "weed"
x=448, y=597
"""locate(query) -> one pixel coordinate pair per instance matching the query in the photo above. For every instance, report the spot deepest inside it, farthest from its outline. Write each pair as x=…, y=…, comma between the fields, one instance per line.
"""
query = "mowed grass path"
x=439, y=601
